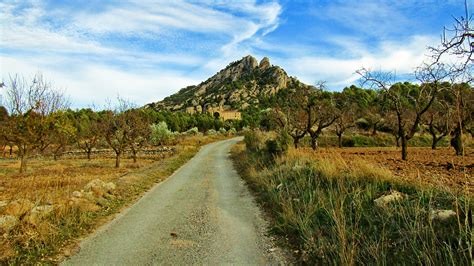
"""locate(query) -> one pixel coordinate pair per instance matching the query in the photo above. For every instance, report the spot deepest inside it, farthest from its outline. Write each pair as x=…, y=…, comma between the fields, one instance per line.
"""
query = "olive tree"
x=408, y=101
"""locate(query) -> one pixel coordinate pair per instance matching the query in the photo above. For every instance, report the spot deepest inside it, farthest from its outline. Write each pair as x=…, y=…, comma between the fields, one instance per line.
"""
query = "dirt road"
x=203, y=214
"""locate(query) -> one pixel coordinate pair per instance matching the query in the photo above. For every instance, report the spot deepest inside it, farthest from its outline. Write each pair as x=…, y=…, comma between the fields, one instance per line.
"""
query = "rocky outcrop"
x=241, y=84
x=264, y=63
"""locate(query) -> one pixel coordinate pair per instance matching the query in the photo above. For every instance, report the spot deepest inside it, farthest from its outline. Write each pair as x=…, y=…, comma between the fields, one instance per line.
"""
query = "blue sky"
x=146, y=50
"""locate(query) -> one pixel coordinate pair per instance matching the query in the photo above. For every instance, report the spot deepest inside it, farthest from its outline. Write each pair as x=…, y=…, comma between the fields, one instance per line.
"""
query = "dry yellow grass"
x=49, y=182
x=424, y=166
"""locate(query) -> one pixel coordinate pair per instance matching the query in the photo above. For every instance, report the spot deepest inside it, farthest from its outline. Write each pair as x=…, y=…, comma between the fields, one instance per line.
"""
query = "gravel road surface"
x=203, y=214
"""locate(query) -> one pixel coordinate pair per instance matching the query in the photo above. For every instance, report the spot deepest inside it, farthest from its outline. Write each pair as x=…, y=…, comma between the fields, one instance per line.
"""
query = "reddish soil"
x=440, y=167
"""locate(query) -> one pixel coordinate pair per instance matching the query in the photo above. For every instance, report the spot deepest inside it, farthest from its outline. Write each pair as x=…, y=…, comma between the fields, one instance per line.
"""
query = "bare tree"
x=139, y=132
x=439, y=118
x=30, y=105
x=321, y=114
x=121, y=129
x=456, y=49
x=457, y=41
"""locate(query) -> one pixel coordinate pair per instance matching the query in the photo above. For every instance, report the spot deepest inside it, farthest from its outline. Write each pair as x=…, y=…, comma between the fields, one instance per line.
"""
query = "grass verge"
x=325, y=208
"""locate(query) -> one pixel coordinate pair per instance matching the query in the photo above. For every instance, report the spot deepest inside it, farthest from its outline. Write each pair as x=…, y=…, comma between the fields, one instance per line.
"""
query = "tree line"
x=36, y=119
x=401, y=109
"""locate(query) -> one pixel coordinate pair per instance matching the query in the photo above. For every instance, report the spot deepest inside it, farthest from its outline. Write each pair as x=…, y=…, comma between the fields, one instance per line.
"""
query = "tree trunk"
x=314, y=142
x=23, y=163
x=374, y=130
x=89, y=154
x=404, y=147
x=134, y=155
x=456, y=141
x=435, y=141
x=11, y=151
x=117, y=160
x=339, y=140
x=295, y=142
x=397, y=140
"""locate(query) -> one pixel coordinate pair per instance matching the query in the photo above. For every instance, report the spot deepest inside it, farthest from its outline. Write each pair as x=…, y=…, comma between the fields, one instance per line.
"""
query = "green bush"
x=222, y=131
x=363, y=124
x=192, y=131
x=279, y=145
x=160, y=134
x=211, y=132
x=254, y=140
x=348, y=142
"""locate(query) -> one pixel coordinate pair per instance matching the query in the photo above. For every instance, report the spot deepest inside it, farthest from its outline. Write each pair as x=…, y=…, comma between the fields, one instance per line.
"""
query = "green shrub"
x=254, y=140
x=192, y=131
x=348, y=142
x=279, y=145
x=160, y=134
x=363, y=124
x=222, y=131
x=211, y=132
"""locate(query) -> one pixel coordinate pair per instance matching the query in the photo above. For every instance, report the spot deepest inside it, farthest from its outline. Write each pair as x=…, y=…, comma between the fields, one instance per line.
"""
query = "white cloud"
x=95, y=83
x=400, y=57
x=72, y=52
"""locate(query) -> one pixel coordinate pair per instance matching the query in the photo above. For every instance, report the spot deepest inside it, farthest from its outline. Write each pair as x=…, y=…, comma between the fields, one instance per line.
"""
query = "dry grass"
x=424, y=165
x=50, y=182
x=323, y=203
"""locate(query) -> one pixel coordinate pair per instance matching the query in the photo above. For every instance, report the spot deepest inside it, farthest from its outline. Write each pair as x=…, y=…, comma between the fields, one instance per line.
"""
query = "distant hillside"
x=241, y=84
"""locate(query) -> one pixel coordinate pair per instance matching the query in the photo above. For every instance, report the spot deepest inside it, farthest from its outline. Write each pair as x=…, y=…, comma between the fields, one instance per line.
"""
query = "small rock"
x=19, y=207
x=110, y=187
x=387, y=199
x=3, y=204
x=38, y=213
x=442, y=215
x=99, y=187
x=77, y=194
x=7, y=222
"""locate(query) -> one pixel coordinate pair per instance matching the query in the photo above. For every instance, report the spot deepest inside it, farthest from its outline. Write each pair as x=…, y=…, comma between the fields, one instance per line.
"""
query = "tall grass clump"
x=326, y=208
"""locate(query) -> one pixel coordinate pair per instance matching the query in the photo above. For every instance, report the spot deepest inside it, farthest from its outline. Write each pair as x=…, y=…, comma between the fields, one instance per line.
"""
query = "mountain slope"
x=241, y=84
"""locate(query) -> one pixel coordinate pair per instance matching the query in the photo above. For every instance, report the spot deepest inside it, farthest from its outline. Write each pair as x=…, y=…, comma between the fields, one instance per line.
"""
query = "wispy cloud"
x=146, y=50
x=119, y=48
x=399, y=57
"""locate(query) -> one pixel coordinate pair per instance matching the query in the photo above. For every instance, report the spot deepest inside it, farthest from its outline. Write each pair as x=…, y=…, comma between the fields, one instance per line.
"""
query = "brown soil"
x=439, y=167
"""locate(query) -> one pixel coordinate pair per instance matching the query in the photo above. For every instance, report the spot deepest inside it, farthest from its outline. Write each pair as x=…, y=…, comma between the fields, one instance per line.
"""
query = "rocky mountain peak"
x=264, y=63
x=241, y=84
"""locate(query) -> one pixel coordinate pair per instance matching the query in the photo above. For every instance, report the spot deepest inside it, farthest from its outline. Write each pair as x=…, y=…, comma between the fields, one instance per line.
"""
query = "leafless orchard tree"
x=30, y=104
x=321, y=112
x=456, y=49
